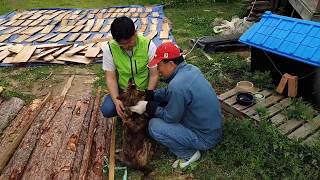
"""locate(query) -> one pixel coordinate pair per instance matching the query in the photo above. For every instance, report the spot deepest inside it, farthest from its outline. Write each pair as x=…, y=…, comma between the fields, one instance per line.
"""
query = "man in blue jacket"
x=190, y=120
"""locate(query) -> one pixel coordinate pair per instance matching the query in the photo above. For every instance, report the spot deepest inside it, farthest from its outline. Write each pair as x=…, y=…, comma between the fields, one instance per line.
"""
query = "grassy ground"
x=247, y=151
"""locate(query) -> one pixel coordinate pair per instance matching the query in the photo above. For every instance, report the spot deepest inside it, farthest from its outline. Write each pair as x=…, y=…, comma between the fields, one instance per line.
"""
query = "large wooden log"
x=8, y=110
x=19, y=160
x=48, y=125
x=8, y=146
x=42, y=161
x=64, y=162
x=82, y=142
x=92, y=127
x=99, y=150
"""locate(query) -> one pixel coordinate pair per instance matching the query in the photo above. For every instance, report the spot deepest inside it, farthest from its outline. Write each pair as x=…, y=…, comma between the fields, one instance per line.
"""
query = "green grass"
x=247, y=151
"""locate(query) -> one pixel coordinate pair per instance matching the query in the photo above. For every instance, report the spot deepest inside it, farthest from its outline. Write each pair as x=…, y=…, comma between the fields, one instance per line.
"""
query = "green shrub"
x=300, y=110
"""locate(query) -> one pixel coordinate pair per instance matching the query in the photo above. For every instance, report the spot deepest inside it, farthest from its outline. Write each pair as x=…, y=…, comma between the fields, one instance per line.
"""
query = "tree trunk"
x=64, y=162
x=82, y=142
x=8, y=111
x=96, y=170
x=8, y=146
x=42, y=161
x=87, y=150
x=19, y=160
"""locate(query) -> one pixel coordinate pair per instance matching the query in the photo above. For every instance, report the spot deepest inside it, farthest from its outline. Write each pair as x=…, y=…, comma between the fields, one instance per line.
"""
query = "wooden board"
x=31, y=31
x=83, y=37
x=97, y=36
x=306, y=129
x=77, y=28
x=92, y=52
x=98, y=25
x=275, y=106
x=47, y=37
x=62, y=50
x=89, y=25
x=289, y=126
x=47, y=29
x=45, y=53
x=11, y=30
x=164, y=34
x=21, y=38
x=73, y=51
x=45, y=22
x=59, y=37
x=33, y=38
x=74, y=58
x=4, y=37
x=25, y=54
x=151, y=35
x=17, y=23
x=4, y=54
x=26, y=22
x=106, y=28
x=35, y=23
x=66, y=29
x=73, y=37
x=35, y=16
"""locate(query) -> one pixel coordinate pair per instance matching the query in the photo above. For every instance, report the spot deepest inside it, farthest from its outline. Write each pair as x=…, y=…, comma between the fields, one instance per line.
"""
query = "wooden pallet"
x=275, y=104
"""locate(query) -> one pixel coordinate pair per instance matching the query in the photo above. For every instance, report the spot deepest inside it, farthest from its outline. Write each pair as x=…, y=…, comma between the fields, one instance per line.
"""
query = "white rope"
x=251, y=9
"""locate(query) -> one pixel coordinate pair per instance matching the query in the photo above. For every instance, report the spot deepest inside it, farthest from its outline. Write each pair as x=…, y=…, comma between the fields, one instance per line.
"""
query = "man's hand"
x=119, y=107
x=140, y=107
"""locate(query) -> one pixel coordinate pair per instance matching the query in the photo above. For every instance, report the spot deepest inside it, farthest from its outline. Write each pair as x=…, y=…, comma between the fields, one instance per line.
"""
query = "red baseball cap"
x=166, y=50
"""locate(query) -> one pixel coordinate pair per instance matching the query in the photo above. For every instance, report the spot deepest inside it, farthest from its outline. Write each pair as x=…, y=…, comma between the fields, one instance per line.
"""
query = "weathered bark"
x=96, y=170
x=19, y=160
x=8, y=146
x=82, y=142
x=63, y=164
x=42, y=160
x=92, y=127
x=8, y=111
x=16, y=123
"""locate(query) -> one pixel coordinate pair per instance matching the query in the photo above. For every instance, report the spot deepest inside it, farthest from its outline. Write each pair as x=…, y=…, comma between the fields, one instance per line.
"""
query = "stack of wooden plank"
x=275, y=104
x=50, y=53
x=63, y=138
x=57, y=36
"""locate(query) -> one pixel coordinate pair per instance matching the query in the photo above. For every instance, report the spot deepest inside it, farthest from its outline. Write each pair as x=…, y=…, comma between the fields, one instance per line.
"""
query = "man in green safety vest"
x=126, y=57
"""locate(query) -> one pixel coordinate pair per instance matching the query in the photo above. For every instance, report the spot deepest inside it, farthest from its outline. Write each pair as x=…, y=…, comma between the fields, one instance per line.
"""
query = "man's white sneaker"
x=195, y=157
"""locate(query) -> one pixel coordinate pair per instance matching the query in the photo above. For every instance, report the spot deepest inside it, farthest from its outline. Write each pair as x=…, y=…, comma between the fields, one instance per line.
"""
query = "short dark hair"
x=122, y=28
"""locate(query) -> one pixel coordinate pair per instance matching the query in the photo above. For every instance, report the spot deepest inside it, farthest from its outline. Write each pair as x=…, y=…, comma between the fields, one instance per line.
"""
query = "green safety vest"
x=132, y=67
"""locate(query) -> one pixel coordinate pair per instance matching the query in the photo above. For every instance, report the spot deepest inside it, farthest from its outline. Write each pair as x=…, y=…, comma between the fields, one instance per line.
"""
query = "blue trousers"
x=180, y=140
x=108, y=108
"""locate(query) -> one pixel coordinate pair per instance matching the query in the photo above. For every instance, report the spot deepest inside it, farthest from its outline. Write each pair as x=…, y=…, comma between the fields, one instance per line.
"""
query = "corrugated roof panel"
x=315, y=42
x=293, y=38
x=315, y=32
x=288, y=47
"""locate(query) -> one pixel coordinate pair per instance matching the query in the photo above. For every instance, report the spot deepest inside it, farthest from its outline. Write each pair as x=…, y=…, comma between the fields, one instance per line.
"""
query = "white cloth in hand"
x=140, y=107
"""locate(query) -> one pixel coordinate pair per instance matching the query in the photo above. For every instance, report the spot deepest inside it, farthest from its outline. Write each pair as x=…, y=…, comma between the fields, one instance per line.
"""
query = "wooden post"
x=282, y=84
x=112, y=149
x=292, y=86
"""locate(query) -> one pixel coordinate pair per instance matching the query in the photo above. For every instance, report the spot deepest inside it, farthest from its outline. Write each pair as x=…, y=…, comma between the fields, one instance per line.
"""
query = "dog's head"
x=131, y=95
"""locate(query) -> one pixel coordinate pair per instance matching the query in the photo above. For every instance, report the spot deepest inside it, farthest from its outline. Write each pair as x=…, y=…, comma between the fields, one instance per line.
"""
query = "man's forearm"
x=153, y=80
x=113, y=88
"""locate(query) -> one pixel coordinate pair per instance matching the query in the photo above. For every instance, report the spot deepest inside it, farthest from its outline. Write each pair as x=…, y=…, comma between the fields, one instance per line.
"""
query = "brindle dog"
x=137, y=147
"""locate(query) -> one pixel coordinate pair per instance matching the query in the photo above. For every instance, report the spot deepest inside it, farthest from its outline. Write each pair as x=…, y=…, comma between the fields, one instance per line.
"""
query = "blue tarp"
x=156, y=40
x=290, y=37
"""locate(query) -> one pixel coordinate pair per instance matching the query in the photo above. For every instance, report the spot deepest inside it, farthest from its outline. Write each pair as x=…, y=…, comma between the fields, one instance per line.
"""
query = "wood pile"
x=73, y=35
x=54, y=138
